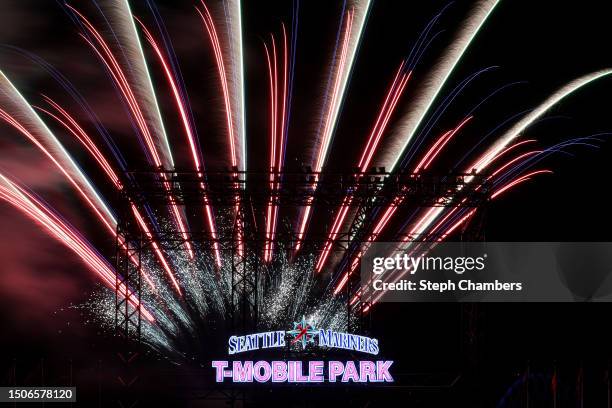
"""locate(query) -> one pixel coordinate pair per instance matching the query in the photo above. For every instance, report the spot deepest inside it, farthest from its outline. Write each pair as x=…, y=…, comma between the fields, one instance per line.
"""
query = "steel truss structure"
x=245, y=195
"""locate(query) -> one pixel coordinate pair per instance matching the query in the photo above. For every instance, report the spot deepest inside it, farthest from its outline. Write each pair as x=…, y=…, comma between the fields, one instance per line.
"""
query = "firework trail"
x=279, y=73
x=393, y=95
x=531, y=118
x=419, y=106
x=59, y=229
x=492, y=153
x=226, y=42
x=351, y=30
x=236, y=68
x=189, y=289
x=119, y=16
x=170, y=315
x=423, y=224
x=73, y=128
x=183, y=108
x=135, y=86
x=391, y=209
x=435, y=80
x=61, y=159
x=233, y=91
x=18, y=113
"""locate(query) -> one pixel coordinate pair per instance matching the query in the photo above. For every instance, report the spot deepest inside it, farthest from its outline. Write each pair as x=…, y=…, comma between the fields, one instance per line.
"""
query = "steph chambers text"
x=425, y=285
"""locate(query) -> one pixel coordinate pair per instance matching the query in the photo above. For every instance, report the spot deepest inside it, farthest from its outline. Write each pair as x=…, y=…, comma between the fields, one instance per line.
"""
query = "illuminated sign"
x=303, y=335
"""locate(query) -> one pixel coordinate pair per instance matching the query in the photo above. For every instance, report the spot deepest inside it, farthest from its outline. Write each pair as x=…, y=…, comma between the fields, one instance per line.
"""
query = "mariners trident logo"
x=303, y=332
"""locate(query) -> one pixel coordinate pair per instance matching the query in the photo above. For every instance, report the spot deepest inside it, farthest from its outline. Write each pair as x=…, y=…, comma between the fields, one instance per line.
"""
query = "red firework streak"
x=429, y=156
x=82, y=136
x=73, y=128
x=59, y=229
x=464, y=219
x=328, y=127
x=110, y=61
x=216, y=45
x=190, y=134
x=22, y=129
x=393, y=95
x=433, y=213
x=278, y=117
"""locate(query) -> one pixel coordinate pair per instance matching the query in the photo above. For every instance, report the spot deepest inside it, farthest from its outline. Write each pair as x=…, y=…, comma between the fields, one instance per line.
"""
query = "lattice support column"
x=244, y=271
x=128, y=266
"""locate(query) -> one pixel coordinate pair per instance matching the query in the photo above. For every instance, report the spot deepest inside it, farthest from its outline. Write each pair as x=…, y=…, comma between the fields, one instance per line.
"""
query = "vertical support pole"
x=128, y=318
x=245, y=271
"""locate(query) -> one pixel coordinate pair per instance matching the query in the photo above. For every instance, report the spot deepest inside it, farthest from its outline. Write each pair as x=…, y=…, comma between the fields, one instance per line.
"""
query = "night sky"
x=542, y=45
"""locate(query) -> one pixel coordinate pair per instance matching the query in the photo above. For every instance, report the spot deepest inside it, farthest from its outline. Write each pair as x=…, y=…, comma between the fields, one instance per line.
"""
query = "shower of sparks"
x=194, y=283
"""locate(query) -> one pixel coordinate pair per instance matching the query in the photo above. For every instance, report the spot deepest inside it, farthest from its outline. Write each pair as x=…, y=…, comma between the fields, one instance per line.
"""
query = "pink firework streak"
x=278, y=117
x=22, y=129
x=216, y=45
x=393, y=95
x=59, y=229
x=81, y=136
x=72, y=126
x=190, y=134
x=442, y=228
x=388, y=213
x=104, y=52
x=329, y=125
x=463, y=220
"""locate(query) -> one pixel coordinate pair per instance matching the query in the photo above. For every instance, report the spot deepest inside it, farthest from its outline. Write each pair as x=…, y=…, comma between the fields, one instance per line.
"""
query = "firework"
x=186, y=287
x=350, y=34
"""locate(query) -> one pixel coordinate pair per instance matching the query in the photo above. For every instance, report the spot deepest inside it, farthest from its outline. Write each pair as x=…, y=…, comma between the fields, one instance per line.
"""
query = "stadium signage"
x=303, y=335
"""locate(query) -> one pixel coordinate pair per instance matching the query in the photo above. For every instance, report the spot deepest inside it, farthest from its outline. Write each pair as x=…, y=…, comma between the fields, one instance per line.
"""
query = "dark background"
x=544, y=43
